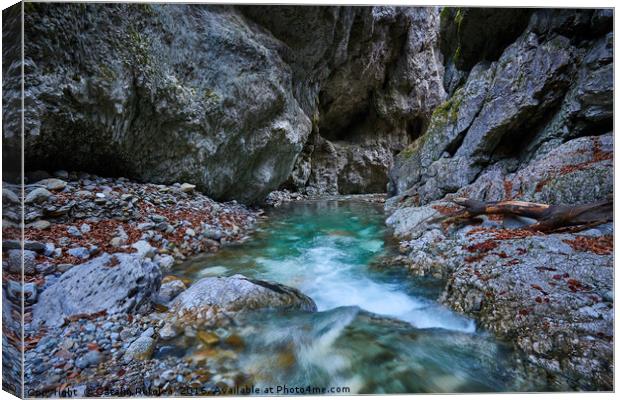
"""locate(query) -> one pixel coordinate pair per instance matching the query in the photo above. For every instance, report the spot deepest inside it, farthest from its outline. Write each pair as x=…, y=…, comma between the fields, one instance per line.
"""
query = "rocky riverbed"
x=97, y=257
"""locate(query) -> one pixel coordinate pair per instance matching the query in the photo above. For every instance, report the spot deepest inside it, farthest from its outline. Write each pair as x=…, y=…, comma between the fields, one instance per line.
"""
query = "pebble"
x=83, y=193
x=117, y=242
x=169, y=290
x=165, y=262
x=146, y=226
x=55, y=184
x=46, y=268
x=144, y=249
x=79, y=252
x=188, y=188
x=73, y=231
x=49, y=249
x=64, y=267
x=140, y=349
x=91, y=358
x=62, y=174
x=158, y=218
x=15, y=290
x=85, y=228
x=167, y=332
x=41, y=224
x=38, y=195
x=15, y=261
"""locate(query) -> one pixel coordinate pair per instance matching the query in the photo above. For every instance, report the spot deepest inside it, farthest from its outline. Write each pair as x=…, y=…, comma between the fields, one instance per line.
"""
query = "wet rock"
x=95, y=286
x=238, y=293
x=170, y=290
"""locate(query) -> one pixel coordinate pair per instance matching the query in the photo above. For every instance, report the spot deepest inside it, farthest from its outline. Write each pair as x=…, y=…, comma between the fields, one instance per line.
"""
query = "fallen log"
x=550, y=218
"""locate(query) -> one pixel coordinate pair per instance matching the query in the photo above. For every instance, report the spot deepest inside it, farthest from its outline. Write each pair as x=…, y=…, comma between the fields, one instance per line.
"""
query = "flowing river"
x=378, y=330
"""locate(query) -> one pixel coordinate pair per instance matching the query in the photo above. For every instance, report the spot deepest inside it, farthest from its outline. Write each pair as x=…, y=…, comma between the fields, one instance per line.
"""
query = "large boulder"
x=117, y=283
x=238, y=293
x=164, y=93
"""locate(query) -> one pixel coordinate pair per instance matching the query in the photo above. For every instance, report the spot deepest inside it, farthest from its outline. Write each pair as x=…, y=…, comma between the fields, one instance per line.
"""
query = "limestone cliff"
x=233, y=99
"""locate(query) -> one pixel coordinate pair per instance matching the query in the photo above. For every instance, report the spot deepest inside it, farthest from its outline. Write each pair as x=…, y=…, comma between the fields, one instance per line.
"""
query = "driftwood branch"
x=560, y=218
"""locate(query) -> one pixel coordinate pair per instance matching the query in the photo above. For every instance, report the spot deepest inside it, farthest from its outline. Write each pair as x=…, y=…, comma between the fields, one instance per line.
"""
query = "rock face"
x=238, y=293
x=226, y=98
x=542, y=91
x=529, y=118
x=116, y=283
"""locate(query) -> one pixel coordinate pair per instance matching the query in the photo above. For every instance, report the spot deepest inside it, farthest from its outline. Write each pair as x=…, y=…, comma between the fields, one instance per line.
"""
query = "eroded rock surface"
x=117, y=283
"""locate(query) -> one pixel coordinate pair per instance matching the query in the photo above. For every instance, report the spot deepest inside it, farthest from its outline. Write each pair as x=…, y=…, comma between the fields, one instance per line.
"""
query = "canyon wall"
x=237, y=100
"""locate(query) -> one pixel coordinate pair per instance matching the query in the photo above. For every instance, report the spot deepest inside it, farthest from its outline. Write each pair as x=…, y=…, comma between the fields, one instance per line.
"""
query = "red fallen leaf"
x=129, y=318
x=557, y=277
x=503, y=254
x=523, y=312
x=73, y=375
x=120, y=372
x=598, y=245
x=537, y=287
x=538, y=299
x=92, y=346
x=546, y=299
x=483, y=247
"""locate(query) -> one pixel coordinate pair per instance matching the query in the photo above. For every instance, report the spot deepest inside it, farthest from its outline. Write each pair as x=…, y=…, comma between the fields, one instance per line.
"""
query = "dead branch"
x=550, y=218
